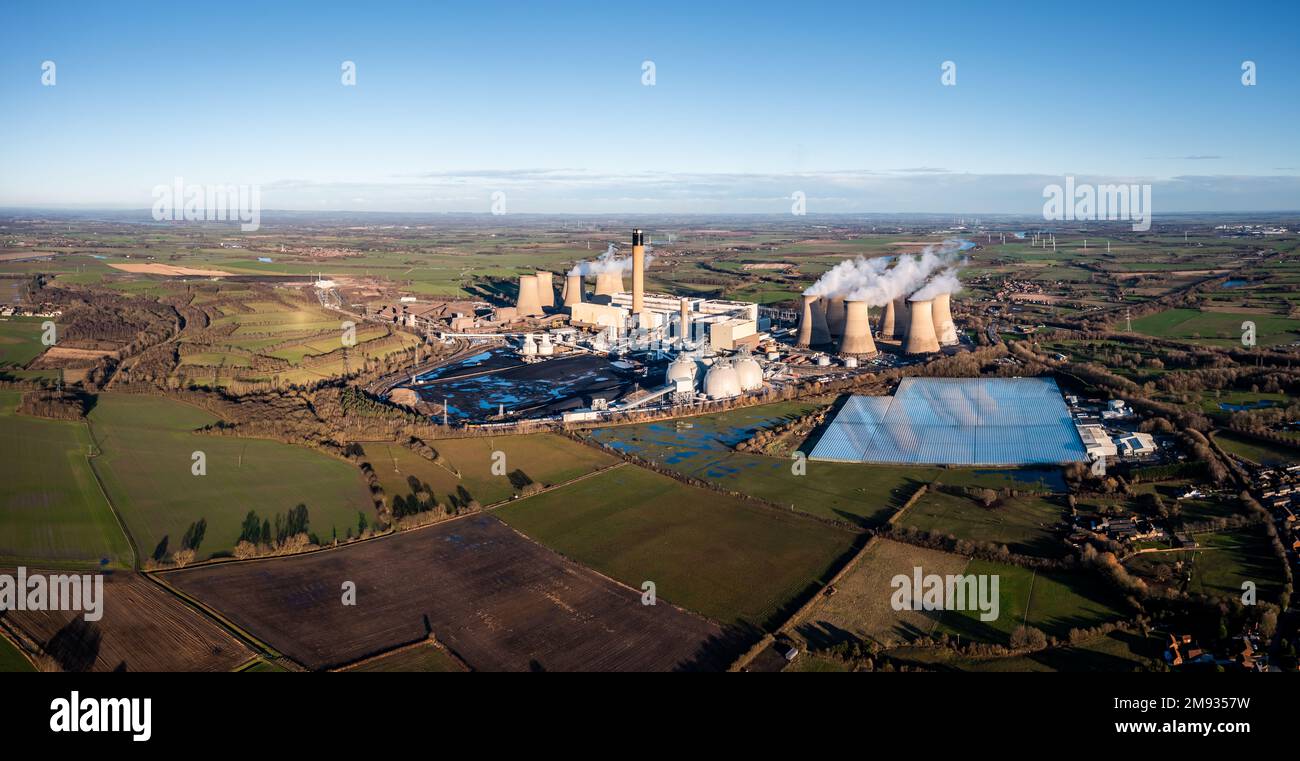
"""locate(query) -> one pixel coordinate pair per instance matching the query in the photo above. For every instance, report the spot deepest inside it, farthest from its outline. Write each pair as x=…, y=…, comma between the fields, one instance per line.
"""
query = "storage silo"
x=749, y=374
x=721, y=381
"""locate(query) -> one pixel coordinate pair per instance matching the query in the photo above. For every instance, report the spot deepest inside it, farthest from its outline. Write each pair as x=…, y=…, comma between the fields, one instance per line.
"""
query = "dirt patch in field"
x=497, y=600
x=767, y=266
x=169, y=270
x=1037, y=298
x=60, y=356
x=144, y=628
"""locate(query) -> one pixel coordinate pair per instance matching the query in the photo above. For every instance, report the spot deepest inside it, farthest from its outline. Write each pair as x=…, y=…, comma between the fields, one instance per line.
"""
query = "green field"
x=263, y=667
x=1260, y=452
x=721, y=557
x=12, y=661
x=420, y=659
x=543, y=458
x=20, y=340
x=1218, y=328
x=862, y=604
x=147, y=445
x=859, y=494
x=1027, y=525
x=288, y=331
x=51, y=509
x=1228, y=559
x=1119, y=651
x=1054, y=603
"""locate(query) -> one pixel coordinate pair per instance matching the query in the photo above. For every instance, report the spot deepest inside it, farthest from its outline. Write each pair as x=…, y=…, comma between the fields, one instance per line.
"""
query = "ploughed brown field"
x=496, y=599
x=144, y=628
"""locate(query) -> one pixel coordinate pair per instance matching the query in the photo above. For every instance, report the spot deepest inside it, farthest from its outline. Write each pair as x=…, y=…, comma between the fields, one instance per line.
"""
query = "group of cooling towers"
x=913, y=292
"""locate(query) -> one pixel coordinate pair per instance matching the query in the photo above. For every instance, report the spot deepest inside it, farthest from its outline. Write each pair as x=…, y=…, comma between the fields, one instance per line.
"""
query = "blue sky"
x=751, y=102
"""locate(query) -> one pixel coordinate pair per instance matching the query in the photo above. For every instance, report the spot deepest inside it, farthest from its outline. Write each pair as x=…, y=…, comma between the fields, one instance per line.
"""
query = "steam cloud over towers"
x=898, y=285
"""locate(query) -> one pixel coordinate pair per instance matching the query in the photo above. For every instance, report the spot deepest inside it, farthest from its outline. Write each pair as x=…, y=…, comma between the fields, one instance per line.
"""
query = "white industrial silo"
x=721, y=382
x=749, y=374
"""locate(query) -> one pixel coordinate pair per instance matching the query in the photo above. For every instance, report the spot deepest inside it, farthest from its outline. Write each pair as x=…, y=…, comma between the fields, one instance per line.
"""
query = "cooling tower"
x=529, y=304
x=638, y=272
x=857, y=330
x=835, y=316
x=545, y=289
x=902, y=317
x=887, y=321
x=921, y=338
x=609, y=283
x=943, y=323
x=572, y=290
x=812, y=325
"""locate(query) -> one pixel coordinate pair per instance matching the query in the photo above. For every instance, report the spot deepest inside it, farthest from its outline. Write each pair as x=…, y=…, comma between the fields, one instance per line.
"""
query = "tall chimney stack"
x=545, y=288
x=943, y=323
x=638, y=271
x=686, y=321
x=921, y=338
x=528, y=304
x=835, y=316
x=857, y=330
x=573, y=289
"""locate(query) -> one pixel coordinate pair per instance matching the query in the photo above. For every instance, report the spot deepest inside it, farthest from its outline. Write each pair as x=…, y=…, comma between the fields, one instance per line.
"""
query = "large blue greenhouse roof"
x=956, y=421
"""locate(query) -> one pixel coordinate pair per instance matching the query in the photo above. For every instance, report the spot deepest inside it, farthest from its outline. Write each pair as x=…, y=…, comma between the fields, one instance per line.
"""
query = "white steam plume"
x=609, y=261
x=876, y=282
x=944, y=282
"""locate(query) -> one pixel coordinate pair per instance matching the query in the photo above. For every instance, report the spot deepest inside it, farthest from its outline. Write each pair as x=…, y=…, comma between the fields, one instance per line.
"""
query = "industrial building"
x=956, y=421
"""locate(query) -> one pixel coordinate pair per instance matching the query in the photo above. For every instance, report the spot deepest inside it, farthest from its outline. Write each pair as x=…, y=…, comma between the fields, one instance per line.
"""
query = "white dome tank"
x=722, y=382
x=749, y=374
x=680, y=369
